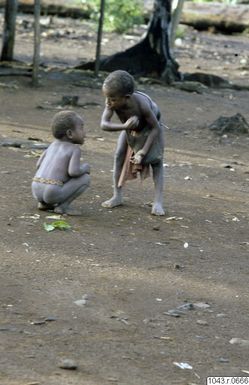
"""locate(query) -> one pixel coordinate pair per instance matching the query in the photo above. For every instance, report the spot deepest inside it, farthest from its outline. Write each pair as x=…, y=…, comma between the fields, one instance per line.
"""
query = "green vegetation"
x=218, y=1
x=180, y=31
x=119, y=15
x=61, y=225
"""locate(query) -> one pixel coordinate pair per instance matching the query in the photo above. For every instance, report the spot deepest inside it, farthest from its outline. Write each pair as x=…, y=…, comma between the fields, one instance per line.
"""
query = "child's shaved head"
x=119, y=82
x=63, y=121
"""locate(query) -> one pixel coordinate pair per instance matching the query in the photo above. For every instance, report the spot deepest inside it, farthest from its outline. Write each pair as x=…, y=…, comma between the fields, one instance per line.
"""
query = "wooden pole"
x=99, y=37
x=176, y=16
x=37, y=42
x=9, y=30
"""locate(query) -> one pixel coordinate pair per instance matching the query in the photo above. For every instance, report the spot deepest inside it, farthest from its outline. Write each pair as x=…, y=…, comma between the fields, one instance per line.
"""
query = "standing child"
x=141, y=141
x=60, y=177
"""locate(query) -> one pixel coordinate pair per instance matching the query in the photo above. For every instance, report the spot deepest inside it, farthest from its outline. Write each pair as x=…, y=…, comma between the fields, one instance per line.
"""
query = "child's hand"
x=138, y=157
x=85, y=168
x=131, y=123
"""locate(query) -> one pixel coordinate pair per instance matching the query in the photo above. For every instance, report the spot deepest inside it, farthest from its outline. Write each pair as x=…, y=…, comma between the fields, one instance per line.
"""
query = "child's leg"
x=117, y=198
x=38, y=192
x=158, y=178
x=68, y=193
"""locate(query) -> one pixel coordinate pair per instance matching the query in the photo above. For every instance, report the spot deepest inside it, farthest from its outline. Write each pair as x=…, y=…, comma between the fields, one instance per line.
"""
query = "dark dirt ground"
x=131, y=268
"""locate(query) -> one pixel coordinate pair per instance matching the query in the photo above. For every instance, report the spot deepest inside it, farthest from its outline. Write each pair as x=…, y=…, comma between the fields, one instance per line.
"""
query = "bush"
x=120, y=15
x=219, y=1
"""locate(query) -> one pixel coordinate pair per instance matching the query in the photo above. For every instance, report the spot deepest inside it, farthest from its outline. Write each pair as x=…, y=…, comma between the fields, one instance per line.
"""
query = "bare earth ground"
x=129, y=267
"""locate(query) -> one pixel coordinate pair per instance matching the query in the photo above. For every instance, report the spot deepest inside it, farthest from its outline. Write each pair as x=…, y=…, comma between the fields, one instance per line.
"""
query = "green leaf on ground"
x=61, y=225
x=48, y=227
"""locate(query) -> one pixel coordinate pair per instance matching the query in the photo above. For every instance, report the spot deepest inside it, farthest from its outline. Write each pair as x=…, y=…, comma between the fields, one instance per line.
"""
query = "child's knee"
x=119, y=156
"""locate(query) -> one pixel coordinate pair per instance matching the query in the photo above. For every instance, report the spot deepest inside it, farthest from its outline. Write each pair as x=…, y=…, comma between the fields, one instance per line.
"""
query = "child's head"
x=119, y=82
x=117, y=88
x=68, y=125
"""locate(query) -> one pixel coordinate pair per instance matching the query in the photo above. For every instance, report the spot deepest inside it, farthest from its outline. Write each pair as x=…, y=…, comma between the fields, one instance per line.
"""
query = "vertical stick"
x=99, y=37
x=176, y=16
x=9, y=30
x=37, y=42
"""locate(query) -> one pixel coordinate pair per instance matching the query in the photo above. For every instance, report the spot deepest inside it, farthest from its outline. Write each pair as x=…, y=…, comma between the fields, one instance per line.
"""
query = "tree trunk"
x=151, y=56
x=9, y=30
x=223, y=17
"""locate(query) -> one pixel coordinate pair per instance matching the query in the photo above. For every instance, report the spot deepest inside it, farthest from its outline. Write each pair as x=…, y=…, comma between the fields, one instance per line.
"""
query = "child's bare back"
x=60, y=177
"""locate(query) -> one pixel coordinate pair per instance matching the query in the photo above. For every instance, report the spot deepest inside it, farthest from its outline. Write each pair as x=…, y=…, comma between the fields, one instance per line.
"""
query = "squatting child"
x=141, y=141
x=60, y=177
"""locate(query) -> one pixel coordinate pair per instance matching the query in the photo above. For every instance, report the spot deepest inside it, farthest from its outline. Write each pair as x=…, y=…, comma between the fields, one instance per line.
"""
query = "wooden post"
x=9, y=30
x=37, y=42
x=99, y=37
x=176, y=16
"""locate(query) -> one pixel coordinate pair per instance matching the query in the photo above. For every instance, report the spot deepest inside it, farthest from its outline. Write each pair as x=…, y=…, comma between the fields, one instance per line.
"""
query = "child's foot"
x=74, y=212
x=157, y=209
x=44, y=207
x=67, y=210
x=113, y=202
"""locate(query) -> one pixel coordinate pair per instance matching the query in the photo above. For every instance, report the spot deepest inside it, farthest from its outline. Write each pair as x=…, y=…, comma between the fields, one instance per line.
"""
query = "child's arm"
x=76, y=169
x=40, y=159
x=107, y=125
x=152, y=121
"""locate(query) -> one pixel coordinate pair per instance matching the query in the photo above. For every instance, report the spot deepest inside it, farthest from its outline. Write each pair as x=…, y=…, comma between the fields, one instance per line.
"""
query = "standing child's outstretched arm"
x=107, y=125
